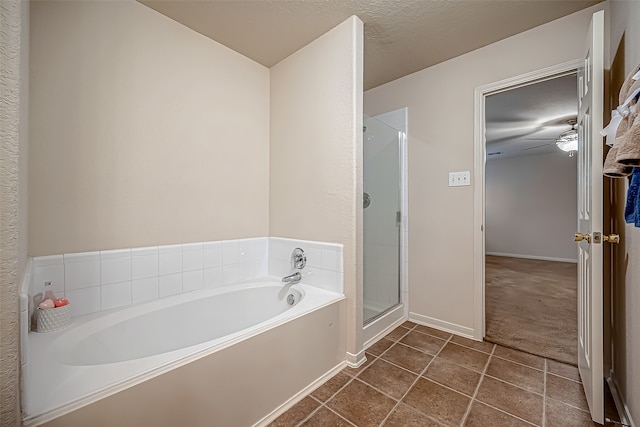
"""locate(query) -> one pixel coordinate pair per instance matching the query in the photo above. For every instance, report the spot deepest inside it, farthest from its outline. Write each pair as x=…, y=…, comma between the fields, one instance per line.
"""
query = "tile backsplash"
x=95, y=281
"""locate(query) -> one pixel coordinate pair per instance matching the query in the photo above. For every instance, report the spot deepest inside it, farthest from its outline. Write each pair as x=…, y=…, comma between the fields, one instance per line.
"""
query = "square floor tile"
x=388, y=378
x=380, y=346
x=511, y=399
x=407, y=357
x=566, y=391
x=516, y=374
x=328, y=389
x=325, y=418
x=397, y=333
x=297, y=413
x=464, y=356
x=519, y=357
x=561, y=415
x=483, y=416
x=453, y=376
x=563, y=370
x=439, y=402
x=405, y=416
x=476, y=345
x=409, y=324
x=426, y=343
x=361, y=404
x=433, y=332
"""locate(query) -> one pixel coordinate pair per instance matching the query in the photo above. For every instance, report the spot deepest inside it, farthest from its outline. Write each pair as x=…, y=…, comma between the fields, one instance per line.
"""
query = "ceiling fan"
x=566, y=141
x=500, y=131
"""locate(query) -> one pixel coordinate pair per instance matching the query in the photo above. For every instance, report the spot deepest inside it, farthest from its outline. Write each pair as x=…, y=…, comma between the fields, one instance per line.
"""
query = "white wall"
x=143, y=132
x=440, y=104
x=531, y=206
x=316, y=153
x=625, y=53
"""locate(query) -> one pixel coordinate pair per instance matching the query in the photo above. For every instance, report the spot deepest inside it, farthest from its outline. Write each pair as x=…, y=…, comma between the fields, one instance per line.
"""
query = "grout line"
x=339, y=415
x=520, y=363
x=404, y=335
x=413, y=384
x=570, y=405
x=471, y=348
x=506, y=413
x=563, y=377
x=446, y=386
x=328, y=399
x=513, y=385
x=419, y=349
x=340, y=389
x=440, y=338
x=311, y=414
x=518, y=385
x=544, y=396
x=475, y=393
x=398, y=366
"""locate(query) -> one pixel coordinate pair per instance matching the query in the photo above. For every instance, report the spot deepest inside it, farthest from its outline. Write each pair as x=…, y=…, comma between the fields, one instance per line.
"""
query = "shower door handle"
x=366, y=200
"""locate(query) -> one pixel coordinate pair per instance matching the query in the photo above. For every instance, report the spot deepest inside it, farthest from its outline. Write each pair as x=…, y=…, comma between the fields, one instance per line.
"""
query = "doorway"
x=480, y=159
x=530, y=216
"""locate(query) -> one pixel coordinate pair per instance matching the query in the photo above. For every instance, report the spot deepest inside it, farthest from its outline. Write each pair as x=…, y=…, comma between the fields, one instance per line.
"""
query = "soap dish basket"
x=53, y=319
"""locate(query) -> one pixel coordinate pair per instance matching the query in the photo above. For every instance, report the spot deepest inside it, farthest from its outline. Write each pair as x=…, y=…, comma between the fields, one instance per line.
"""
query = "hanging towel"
x=629, y=150
x=626, y=90
x=626, y=97
x=632, y=210
x=611, y=167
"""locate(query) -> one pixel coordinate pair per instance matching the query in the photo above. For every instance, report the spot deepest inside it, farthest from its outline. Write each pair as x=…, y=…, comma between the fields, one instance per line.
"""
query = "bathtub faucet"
x=292, y=278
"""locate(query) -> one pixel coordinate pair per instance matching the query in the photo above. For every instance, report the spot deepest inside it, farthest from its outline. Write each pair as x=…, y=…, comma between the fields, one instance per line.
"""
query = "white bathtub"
x=104, y=353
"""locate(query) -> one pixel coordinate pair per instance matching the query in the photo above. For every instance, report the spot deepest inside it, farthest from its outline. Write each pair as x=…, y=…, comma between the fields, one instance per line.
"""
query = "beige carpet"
x=531, y=305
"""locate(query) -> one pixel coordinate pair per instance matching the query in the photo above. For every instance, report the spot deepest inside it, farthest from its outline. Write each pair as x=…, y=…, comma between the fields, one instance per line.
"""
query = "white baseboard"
x=442, y=325
x=355, y=360
x=543, y=258
x=621, y=406
x=299, y=396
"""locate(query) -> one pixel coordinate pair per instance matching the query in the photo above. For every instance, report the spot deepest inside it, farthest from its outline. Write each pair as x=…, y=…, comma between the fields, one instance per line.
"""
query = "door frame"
x=479, y=156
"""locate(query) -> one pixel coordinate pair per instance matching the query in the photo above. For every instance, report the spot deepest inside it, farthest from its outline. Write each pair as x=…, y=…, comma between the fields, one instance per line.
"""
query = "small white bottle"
x=48, y=291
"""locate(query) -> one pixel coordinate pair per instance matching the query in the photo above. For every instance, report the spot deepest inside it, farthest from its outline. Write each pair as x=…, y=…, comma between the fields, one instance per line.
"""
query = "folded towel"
x=628, y=97
x=611, y=167
x=632, y=209
x=629, y=150
x=625, y=90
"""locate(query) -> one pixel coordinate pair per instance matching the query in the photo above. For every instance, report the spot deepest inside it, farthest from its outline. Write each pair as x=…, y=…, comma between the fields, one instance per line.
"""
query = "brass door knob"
x=611, y=238
x=578, y=237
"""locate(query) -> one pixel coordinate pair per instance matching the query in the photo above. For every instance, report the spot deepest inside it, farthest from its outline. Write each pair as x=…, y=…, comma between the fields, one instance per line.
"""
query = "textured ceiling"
x=527, y=120
x=401, y=36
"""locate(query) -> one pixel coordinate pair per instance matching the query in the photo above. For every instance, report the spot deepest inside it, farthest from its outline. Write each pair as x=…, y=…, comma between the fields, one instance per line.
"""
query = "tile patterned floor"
x=417, y=376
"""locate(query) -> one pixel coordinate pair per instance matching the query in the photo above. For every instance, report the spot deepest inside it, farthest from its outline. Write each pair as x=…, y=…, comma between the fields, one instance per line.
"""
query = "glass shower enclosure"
x=382, y=218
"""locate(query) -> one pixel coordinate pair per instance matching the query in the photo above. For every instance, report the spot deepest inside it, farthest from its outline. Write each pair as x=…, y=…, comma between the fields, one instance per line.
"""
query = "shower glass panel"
x=381, y=218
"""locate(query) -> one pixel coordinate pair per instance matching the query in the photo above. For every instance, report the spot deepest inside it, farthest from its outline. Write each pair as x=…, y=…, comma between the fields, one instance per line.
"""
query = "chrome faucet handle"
x=298, y=259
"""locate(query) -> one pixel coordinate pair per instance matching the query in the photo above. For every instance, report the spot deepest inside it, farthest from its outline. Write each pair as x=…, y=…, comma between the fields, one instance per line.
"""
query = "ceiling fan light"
x=568, y=141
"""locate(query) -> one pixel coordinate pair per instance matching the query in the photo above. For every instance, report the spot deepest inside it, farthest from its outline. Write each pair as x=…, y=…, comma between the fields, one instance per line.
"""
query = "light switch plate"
x=458, y=179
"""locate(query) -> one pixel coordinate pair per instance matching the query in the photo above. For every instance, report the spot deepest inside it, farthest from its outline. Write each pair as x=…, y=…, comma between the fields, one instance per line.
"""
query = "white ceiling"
x=527, y=120
x=401, y=36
